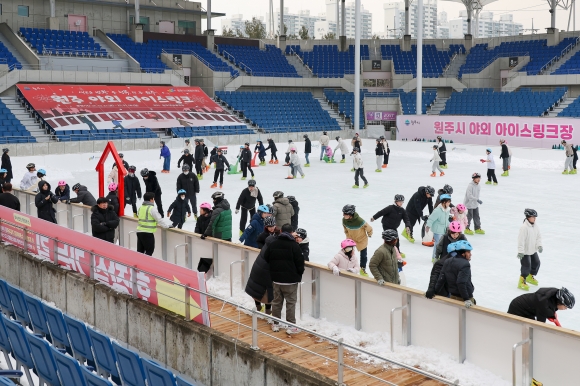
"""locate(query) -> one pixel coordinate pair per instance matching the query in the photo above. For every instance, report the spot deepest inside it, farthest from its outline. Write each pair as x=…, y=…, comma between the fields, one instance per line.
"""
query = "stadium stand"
x=573, y=109
x=326, y=61
x=434, y=61
x=523, y=102
x=188, y=132
x=104, y=134
x=571, y=66
x=64, y=349
x=7, y=58
x=280, y=111
x=257, y=62
x=65, y=43
x=11, y=129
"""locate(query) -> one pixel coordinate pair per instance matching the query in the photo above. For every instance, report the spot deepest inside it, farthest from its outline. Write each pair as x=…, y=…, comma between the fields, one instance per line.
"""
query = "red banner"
x=112, y=264
x=99, y=107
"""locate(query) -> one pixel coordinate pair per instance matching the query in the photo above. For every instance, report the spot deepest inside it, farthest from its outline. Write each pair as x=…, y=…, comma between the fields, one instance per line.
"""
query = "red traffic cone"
x=253, y=163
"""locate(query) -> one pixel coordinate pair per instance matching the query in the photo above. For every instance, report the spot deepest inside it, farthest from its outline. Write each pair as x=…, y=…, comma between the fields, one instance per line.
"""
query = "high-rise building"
x=366, y=27
x=295, y=21
x=486, y=27
x=394, y=14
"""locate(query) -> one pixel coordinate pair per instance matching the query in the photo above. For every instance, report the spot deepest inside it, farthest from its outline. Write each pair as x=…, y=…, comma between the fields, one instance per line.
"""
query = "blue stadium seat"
x=326, y=61
x=62, y=43
x=104, y=355
x=267, y=62
x=68, y=369
x=130, y=366
x=19, y=304
x=5, y=346
x=79, y=339
x=434, y=60
x=57, y=326
x=157, y=375
x=5, y=302
x=19, y=344
x=43, y=360
x=182, y=382
x=93, y=379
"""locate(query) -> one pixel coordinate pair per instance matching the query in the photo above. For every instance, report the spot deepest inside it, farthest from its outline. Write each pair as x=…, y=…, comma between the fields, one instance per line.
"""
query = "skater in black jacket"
x=246, y=161
x=179, y=210
x=455, y=276
x=422, y=198
x=542, y=304
x=273, y=150
x=152, y=185
x=392, y=216
x=307, y=149
x=247, y=203
x=442, y=152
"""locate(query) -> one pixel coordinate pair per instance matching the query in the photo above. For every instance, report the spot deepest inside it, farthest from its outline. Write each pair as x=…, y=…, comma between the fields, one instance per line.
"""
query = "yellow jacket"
x=357, y=230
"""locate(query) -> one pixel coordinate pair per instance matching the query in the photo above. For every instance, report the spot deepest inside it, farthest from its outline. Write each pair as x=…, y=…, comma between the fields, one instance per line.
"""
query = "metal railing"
x=292, y=52
x=557, y=58
x=490, y=61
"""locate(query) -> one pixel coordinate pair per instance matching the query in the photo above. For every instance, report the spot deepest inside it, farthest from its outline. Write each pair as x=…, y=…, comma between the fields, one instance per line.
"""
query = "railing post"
x=189, y=252
x=25, y=239
x=255, y=329
x=92, y=266
x=462, y=334
x=215, y=259
x=527, y=355
x=315, y=293
x=129, y=238
x=187, y=303
x=357, y=305
x=122, y=232
x=86, y=217
x=245, y=268
x=340, y=362
x=232, y=276
x=406, y=319
x=164, y=244
x=393, y=325
x=514, y=348
x=135, y=293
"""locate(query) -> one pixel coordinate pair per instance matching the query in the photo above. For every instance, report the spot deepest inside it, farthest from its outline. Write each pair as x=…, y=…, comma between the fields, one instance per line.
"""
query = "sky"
x=523, y=11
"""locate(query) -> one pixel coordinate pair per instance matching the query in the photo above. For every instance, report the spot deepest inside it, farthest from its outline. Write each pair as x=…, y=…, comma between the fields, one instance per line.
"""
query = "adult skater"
x=529, y=244
x=291, y=146
x=132, y=189
x=220, y=223
x=379, y=155
x=472, y=202
x=438, y=221
x=423, y=197
x=152, y=185
x=569, y=158
x=104, y=220
x=392, y=216
x=436, y=160
x=7, y=164
x=125, y=163
x=442, y=152
x=250, y=235
x=384, y=265
x=505, y=157
x=221, y=163
x=261, y=150
x=324, y=141
x=307, y=149
x=574, y=159
x=179, y=210
x=387, y=151
x=542, y=304
x=188, y=146
x=357, y=229
x=204, y=165
x=455, y=276
x=166, y=154
x=44, y=201
x=83, y=196
x=345, y=259
x=282, y=209
x=296, y=207
x=343, y=148
x=356, y=141
x=30, y=178
x=247, y=203
x=187, y=159
x=357, y=164
x=246, y=161
x=490, y=167
x=188, y=181
x=295, y=165
x=198, y=159
x=273, y=149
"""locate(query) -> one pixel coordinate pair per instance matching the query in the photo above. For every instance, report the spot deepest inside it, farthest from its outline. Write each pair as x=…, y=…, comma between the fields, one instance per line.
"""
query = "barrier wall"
x=479, y=335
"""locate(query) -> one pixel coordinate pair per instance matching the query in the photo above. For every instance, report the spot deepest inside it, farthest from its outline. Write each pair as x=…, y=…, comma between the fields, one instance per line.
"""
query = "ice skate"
x=342, y=161
x=286, y=164
x=468, y=231
x=480, y=231
x=243, y=178
x=488, y=182
x=407, y=236
x=276, y=161
x=271, y=161
x=495, y=183
x=275, y=327
x=378, y=171
x=565, y=172
x=402, y=255
x=221, y=186
x=355, y=186
x=574, y=171
x=200, y=176
x=304, y=175
x=289, y=178
x=365, y=186
x=352, y=170
x=306, y=165
x=522, y=284
x=292, y=331
x=505, y=174
x=385, y=166
x=441, y=174
x=531, y=280
x=363, y=272
x=214, y=185
x=433, y=174
x=241, y=233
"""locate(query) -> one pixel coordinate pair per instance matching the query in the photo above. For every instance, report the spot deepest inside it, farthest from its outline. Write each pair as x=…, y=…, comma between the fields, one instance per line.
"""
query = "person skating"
x=423, y=197
x=574, y=159
x=301, y=237
x=357, y=164
x=188, y=146
x=282, y=210
x=472, y=202
x=179, y=210
x=273, y=149
x=387, y=151
x=188, y=181
x=30, y=178
x=149, y=218
x=295, y=165
x=44, y=201
x=490, y=167
x=392, y=216
x=296, y=207
x=357, y=229
x=83, y=196
x=198, y=159
x=220, y=223
x=152, y=185
x=307, y=149
x=246, y=161
x=435, y=162
x=384, y=265
x=269, y=229
x=542, y=304
x=345, y=259
x=132, y=189
x=329, y=155
x=261, y=150
x=62, y=191
x=343, y=149
x=204, y=165
x=247, y=203
x=443, y=252
x=204, y=218
x=455, y=276
x=324, y=140
x=104, y=220
x=221, y=163
x=7, y=164
x=446, y=189
x=505, y=157
x=250, y=235
x=8, y=199
x=529, y=244
x=291, y=145
x=442, y=152
x=356, y=141
x=379, y=155
x=569, y=158
x=166, y=154
x=438, y=222
x=459, y=214
x=187, y=159
x=125, y=163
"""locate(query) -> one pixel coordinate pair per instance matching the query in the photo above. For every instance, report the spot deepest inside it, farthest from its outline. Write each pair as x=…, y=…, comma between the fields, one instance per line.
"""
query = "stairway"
x=333, y=114
x=561, y=106
x=224, y=106
x=438, y=106
x=242, y=72
x=29, y=123
x=302, y=70
x=104, y=46
x=562, y=60
x=455, y=65
x=13, y=49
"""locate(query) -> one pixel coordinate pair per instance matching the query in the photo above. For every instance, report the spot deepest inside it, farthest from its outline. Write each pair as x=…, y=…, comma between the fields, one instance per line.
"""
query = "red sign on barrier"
x=155, y=279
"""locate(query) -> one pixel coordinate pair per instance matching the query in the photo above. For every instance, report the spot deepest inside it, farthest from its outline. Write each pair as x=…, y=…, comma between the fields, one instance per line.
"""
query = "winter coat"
x=285, y=259
x=329, y=153
x=260, y=149
x=10, y=201
x=539, y=305
x=471, y=196
x=179, y=209
x=291, y=146
x=324, y=140
x=345, y=263
x=379, y=149
x=271, y=146
x=295, y=159
x=125, y=164
x=418, y=202
x=529, y=238
x=459, y=217
x=221, y=163
x=247, y=200
x=294, y=218
x=438, y=221
x=246, y=155
x=386, y=147
x=7, y=164
x=441, y=247
x=358, y=230
x=569, y=152
x=113, y=175
x=357, y=161
x=435, y=272
x=250, y=235
x=165, y=152
x=305, y=248
x=198, y=152
x=455, y=277
x=260, y=283
x=132, y=189
x=504, y=151
x=187, y=159
x=282, y=210
x=114, y=201
x=307, y=146
x=220, y=223
x=62, y=195
x=342, y=145
x=85, y=197
x=384, y=264
x=29, y=180
x=189, y=183
x=356, y=142
x=45, y=210
x=442, y=148
x=392, y=216
x=104, y=222
x=152, y=184
x=436, y=157
x=261, y=239
x=202, y=223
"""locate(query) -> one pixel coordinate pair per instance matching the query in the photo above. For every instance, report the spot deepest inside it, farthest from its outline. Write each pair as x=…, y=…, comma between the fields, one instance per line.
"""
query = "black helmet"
x=132, y=167
x=278, y=194
x=337, y=138
x=399, y=197
x=475, y=175
x=349, y=209
x=217, y=196
x=382, y=137
x=121, y=155
x=530, y=213
x=305, y=136
x=270, y=221
x=302, y=233
x=565, y=297
x=76, y=186
x=185, y=167
x=390, y=235
x=252, y=183
x=247, y=144
x=289, y=141
x=185, y=151
x=439, y=137
x=430, y=190
x=162, y=142
x=324, y=132
x=187, y=140
x=144, y=172
x=5, y=150
x=448, y=189
x=357, y=149
x=30, y=166
x=434, y=146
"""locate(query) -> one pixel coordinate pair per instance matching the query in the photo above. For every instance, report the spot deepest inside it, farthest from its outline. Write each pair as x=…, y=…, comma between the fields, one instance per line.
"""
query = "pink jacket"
x=461, y=217
x=328, y=151
x=343, y=263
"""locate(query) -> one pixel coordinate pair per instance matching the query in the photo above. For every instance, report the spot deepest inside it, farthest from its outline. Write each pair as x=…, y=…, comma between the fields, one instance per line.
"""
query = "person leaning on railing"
x=455, y=275
x=104, y=220
x=149, y=218
x=8, y=199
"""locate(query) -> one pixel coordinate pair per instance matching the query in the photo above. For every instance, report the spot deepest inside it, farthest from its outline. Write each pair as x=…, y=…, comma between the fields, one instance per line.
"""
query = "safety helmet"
x=42, y=171
x=448, y=189
x=460, y=207
x=5, y=150
x=76, y=186
x=347, y=243
x=337, y=138
x=121, y=155
x=217, y=195
x=434, y=146
x=349, y=209
x=289, y=141
x=455, y=226
x=305, y=136
x=278, y=194
x=60, y=183
x=488, y=150
x=30, y=166
x=263, y=209
x=112, y=186
x=144, y=172
x=132, y=168
x=186, y=151
x=3, y=171
x=429, y=190
x=252, y=183
x=270, y=221
x=390, y=235
x=205, y=205
x=461, y=245
x=565, y=297
x=185, y=167
x=301, y=232
x=445, y=197
x=475, y=175
x=399, y=197
x=181, y=191
x=530, y=213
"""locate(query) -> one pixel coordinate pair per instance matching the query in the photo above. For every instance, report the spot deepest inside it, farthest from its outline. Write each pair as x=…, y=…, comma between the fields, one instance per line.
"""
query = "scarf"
x=354, y=223
x=254, y=193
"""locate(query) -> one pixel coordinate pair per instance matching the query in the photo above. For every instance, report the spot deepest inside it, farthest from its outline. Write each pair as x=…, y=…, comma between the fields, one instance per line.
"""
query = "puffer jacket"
x=62, y=195
x=113, y=201
x=418, y=202
x=295, y=159
x=250, y=235
x=539, y=305
x=189, y=183
x=282, y=210
x=246, y=155
x=459, y=217
x=342, y=145
x=261, y=239
x=307, y=146
x=392, y=216
x=441, y=248
x=247, y=200
x=260, y=282
x=220, y=224
x=305, y=248
x=529, y=238
x=379, y=149
x=285, y=259
x=357, y=230
x=202, y=223
x=436, y=156
x=179, y=210
x=357, y=161
x=291, y=146
x=345, y=263
x=504, y=151
x=132, y=189
x=438, y=221
x=455, y=277
x=45, y=210
x=356, y=142
x=7, y=164
x=260, y=149
x=104, y=222
x=441, y=147
x=324, y=140
x=471, y=196
x=221, y=163
x=384, y=264
x=187, y=160
x=294, y=219
x=569, y=151
x=271, y=146
x=85, y=197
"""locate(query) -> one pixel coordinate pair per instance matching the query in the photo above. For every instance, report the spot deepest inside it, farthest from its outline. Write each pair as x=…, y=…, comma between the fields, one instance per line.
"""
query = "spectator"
x=113, y=198
x=384, y=263
x=8, y=199
x=250, y=235
x=179, y=210
x=152, y=185
x=132, y=189
x=220, y=223
x=44, y=200
x=166, y=154
x=3, y=176
x=188, y=181
x=294, y=218
x=104, y=220
x=62, y=191
x=246, y=161
x=204, y=218
x=345, y=259
x=282, y=210
x=455, y=275
x=301, y=237
x=149, y=218
x=83, y=196
x=30, y=179
x=7, y=164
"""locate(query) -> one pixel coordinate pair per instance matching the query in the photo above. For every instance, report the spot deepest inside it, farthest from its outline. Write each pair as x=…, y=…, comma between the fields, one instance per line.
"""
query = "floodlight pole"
x=208, y=15
x=419, y=57
x=356, y=65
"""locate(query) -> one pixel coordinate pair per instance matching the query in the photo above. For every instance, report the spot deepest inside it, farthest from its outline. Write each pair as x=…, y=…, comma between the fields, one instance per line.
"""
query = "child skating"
x=569, y=158
x=435, y=160
x=261, y=150
x=490, y=167
x=529, y=244
x=379, y=155
x=505, y=156
x=358, y=230
x=386, y=150
x=343, y=148
x=459, y=214
x=357, y=164
x=295, y=165
x=329, y=155
x=179, y=209
x=472, y=203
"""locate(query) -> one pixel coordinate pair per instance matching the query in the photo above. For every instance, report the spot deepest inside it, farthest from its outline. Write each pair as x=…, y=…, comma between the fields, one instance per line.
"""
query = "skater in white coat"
x=529, y=244
x=357, y=164
x=435, y=160
x=343, y=148
x=295, y=164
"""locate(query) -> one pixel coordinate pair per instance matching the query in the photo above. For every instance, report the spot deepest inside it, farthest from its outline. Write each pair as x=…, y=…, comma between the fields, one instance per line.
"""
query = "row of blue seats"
x=56, y=335
x=434, y=60
x=7, y=58
x=257, y=62
x=573, y=109
x=17, y=139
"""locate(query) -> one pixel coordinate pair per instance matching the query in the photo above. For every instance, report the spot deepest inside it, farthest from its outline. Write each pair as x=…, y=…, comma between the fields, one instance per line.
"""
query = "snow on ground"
x=535, y=181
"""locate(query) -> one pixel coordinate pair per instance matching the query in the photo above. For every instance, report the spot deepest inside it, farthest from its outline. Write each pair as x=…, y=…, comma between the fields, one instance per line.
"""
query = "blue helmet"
x=181, y=191
x=3, y=171
x=488, y=149
x=445, y=197
x=42, y=171
x=461, y=245
x=264, y=209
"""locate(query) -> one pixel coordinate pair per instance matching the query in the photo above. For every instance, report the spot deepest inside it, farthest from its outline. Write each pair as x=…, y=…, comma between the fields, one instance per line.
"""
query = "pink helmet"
x=460, y=207
x=455, y=226
x=347, y=243
x=62, y=183
x=113, y=186
x=205, y=205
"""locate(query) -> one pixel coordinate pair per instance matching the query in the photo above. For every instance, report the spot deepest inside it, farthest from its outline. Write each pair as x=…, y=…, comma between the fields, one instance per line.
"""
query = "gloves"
x=540, y=249
x=429, y=294
x=189, y=215
x=425, y=218
x=479, y=202
x=171, y=226
x=237, y=211
x=468, y=304
x=335, y=271
x=203, y=237
x=451, y=218
x=381, y=282
x=372, y=219
x=103, y=223
x=353, y=270
x=128, y=199
x=168, y=214
x=520, y=255
x=482, y=160
x=229, y=168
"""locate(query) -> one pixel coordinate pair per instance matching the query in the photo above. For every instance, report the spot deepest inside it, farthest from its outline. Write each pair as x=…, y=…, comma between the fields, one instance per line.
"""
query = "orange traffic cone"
x=253, y=163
